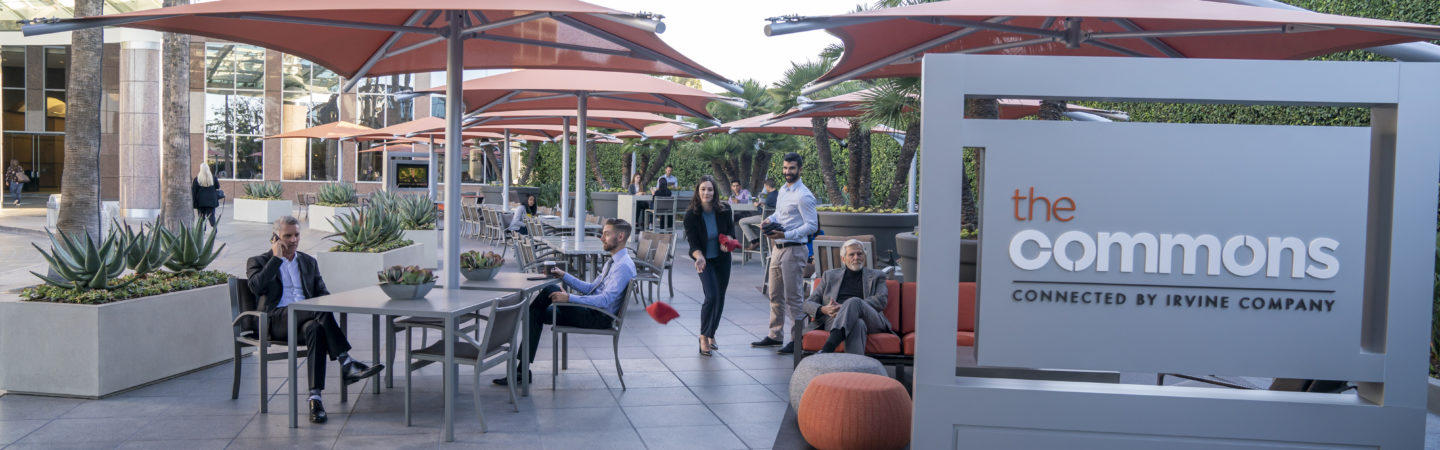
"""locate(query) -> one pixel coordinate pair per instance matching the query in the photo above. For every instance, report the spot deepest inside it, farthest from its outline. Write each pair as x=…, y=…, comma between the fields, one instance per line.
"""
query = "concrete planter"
x=884, y=226
x=344, y=271
x=492, y=193
x=263, y=211
x=319, y=216
x=95, y=350
x=429, y=242
x=907, y=246
x=1432, y=398
x=605, y=204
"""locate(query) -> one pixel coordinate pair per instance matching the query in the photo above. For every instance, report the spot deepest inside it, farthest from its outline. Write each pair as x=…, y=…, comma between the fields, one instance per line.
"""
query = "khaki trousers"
x=786, y=290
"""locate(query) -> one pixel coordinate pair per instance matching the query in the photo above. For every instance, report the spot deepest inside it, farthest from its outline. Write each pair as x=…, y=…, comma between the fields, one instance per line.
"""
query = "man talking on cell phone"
x=283, y=276
x=606, y=292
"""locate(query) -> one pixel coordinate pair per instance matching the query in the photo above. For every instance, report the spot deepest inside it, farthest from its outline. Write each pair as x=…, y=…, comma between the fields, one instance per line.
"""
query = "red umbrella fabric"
x=346, y=35
x=620, y=120
x=853, y=104
x=556, y=89
x=839, y=128
x=1156, y=28
x=662, y=131
x=333, y=130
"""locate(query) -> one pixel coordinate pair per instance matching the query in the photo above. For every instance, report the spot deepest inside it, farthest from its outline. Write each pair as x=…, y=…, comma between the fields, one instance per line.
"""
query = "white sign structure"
x=1268, y=251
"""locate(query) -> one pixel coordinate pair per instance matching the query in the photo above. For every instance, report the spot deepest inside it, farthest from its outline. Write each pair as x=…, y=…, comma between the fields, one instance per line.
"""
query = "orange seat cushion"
x=962, y=339
x=965, y=316
x=850, y=410
x=875, y=343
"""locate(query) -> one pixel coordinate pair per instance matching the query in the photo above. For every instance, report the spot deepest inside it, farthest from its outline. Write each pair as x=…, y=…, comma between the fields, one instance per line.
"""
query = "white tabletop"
x=440, y=302
x=566, y=245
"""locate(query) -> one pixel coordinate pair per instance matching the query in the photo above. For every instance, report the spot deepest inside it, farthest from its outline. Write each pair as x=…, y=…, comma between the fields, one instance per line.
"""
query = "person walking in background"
x=203, y=193
x=15, y=179
x=750, y=226
x=706, y=220
x=796, y=219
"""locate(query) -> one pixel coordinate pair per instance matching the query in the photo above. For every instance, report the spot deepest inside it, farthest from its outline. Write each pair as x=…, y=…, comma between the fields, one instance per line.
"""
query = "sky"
x=729, y=38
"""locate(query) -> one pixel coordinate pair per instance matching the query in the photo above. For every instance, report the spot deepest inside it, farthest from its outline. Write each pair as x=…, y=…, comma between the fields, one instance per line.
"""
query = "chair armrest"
x=561, y=264
x=236, y=321
x=613, y=317
x=646, y=266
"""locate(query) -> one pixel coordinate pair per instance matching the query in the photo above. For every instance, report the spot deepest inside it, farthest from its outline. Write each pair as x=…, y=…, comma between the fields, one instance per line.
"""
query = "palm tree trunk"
x=983, y=109
x=758, y=170
x=819, y=126
x=855, y=155
x=1052, y=109
x=721, y=174
x=902, y=164
x=625, y=167
x=80, y=186
x=593, y=160
x=532, y=151
x=657, y=163
x=864, y=169
x=742, y=173
x=175, y=188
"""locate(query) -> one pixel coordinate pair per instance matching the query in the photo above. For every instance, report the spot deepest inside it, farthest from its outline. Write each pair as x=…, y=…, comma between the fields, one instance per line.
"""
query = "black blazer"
x=205, y=197
x=695, y=226
x=263, y=276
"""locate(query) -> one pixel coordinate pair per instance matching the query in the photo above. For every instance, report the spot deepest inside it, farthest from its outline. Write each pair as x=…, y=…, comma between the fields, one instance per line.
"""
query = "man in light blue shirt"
x=795, y=214
x=669, y=178
x=605, y=293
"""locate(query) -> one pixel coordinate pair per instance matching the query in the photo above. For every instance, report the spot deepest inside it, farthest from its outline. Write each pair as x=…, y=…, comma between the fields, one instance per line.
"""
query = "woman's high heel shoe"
x=713, y=345
x=704, y=349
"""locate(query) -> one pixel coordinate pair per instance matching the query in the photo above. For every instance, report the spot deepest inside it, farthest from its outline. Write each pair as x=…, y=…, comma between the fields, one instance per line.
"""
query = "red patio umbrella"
x=332, y=130
x=661, y=131
x=837, y=127
x=889, y=42
x=853, y=104
x=620, y=120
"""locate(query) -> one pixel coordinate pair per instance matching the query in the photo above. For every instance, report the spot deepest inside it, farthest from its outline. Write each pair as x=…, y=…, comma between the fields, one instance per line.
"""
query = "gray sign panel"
x=1208, y=249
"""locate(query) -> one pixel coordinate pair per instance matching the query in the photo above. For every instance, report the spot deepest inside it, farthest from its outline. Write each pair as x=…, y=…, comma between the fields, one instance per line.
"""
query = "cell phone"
x=274, y=237
x=541, y=278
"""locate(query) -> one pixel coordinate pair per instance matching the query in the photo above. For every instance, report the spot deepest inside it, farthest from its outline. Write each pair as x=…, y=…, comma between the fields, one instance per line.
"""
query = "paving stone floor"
x=675, y=397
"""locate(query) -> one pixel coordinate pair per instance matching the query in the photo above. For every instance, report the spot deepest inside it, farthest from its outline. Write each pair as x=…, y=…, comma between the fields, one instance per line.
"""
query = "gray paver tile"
x=694, y=437
x=286, y=443
x=203, y=427
x=619, y=439
x=494, y=440
x=430, y=441
x=121, y=407
x=715, y=378
x=771, y=376
x=757, y=435
x=745, y=413
x=697, y=362
x=13, y=430
x=83, y=431
x=176, y=444
x=643, y=380
x=670, y=416
x=655, y=396
x=573, y=398
x=24, y=407
x=734, y=394
x=576, y=419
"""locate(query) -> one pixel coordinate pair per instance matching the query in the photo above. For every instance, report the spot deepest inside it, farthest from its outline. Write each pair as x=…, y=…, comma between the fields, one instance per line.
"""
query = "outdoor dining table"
x=554, y=222
x=587, y=254
x=440, y=303
x=525, y=284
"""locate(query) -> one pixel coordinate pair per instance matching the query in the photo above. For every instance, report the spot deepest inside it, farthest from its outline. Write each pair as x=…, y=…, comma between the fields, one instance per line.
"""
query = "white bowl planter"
x=429, y=241
x=264, y=211
x=95, y=350
x=319, y=216
x=343, y=271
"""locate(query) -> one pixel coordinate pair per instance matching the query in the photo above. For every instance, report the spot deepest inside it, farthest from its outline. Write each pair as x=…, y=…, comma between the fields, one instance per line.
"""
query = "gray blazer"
x=874, y=286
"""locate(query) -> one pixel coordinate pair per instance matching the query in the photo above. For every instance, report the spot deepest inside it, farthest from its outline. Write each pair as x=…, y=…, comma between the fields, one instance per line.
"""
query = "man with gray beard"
x=850, y=302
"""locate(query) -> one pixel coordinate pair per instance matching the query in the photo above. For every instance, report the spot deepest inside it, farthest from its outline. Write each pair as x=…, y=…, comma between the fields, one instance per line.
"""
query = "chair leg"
x=513, y=379
x=390, y=352
x=407, y=376
x=235, y=385
x=554, y=355
x=619, y=373
x=565, y=351
x=264, y=377
x=671, y=275
x=480, y=412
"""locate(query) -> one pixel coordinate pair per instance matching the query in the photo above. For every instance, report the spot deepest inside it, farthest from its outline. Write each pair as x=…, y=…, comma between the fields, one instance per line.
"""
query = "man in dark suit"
x=283, y=276
x=850, y=302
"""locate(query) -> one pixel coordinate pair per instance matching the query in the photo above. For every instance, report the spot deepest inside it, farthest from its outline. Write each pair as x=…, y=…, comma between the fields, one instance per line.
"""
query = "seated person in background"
x=750, y=226
x=531, y=207
x=738, y=194
x=663, y=190
x=283, y=276
x=606, y=292
x=850, y=302
x=635, y=187
x=517, y=216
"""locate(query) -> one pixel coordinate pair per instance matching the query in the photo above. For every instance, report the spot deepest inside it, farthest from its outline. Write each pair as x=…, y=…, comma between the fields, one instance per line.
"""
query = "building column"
x=139, y=129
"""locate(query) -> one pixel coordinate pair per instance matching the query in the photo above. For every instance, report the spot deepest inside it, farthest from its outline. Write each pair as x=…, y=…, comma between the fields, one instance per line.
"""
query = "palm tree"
x=896, y=102
x=744, y=157
x=176, y=203
x=787, y=92
x=80, y=185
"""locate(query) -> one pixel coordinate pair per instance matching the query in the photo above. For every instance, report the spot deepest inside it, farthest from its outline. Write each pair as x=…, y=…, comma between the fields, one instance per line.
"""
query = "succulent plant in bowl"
x=406, y=283
x=476, y=266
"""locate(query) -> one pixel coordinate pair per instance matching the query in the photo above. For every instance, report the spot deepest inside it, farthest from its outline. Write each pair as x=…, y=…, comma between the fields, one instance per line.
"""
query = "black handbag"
x=220, y=194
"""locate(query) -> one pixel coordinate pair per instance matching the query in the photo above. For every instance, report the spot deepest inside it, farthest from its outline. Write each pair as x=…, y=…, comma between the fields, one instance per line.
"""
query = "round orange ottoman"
x=849, y=410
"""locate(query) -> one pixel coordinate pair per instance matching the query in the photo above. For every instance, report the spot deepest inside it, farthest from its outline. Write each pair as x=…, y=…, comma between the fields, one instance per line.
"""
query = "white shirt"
x=290, y=280
x=517, y=219
x=795, y=212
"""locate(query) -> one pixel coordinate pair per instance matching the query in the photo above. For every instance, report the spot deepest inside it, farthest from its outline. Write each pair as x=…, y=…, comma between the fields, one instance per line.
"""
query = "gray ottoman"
x=823, y=363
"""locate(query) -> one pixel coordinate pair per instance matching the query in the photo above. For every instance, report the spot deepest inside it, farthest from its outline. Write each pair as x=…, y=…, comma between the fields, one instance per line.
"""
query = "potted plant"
x=417, y=222
x=407, y=282
x=91, y=330
x=606, y=202
x=476, y=266
x=332, y=200
x=882, y=223
x=367, y=241
x=907, y=246
x=262, y=202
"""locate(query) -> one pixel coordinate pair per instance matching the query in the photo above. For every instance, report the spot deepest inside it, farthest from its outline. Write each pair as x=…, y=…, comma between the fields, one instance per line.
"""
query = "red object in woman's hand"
x=728, y=243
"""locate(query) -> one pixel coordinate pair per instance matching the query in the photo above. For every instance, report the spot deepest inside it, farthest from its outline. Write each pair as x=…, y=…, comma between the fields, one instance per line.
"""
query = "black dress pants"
x=714, y=279
x=570, y=317
x=320, y=333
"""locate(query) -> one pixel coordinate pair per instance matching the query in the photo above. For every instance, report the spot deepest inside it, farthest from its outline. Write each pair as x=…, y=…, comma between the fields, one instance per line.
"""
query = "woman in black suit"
x=203, y=192
x=705, y=221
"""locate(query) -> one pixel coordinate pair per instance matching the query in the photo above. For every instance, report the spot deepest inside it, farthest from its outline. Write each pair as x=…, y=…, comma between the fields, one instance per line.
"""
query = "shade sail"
x=661, y=131
x=347, y=35
x=853, y=105
x=620, y=120
x=333, y=130
x=888, y=42
x=557, y=89
x=837, y=127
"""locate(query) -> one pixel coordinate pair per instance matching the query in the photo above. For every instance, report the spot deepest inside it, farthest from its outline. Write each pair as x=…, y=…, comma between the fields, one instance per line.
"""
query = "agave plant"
x=416, y=212
x=80, y=264
x=192, y=247
x=336, y=194
x=365, y=229
x=145, y=251
x=408, y=275
x=264, y=191
x=473, y=260
x=384, y=199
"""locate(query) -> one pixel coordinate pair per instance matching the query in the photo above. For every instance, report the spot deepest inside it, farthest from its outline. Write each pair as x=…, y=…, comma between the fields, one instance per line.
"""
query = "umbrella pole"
x=431, y=174
x=454, y=77
x=910, y=193
x=565, y=171
x=505, y=169
x=580, y=169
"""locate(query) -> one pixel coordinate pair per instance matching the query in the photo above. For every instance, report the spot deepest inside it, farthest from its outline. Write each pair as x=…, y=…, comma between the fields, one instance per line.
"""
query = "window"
x=56, y=59
x=12, y=70
x=379, y=109
x=234, y=110
x=311, y=97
